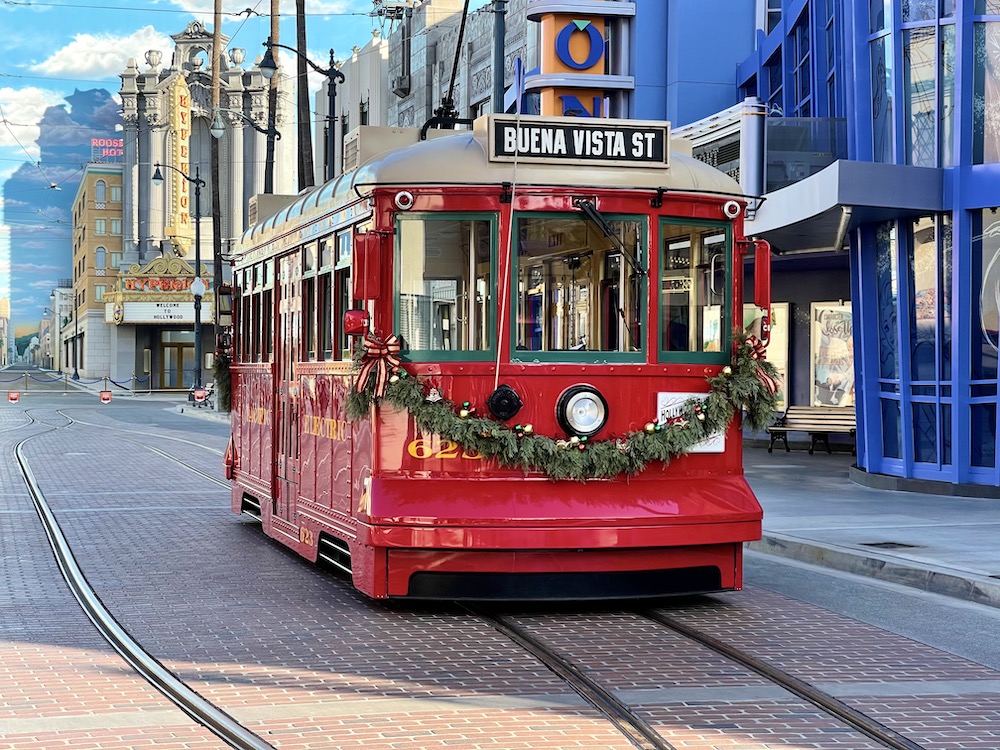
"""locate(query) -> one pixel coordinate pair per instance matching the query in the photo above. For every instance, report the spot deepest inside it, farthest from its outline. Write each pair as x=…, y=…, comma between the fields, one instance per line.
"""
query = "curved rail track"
x=185, y=698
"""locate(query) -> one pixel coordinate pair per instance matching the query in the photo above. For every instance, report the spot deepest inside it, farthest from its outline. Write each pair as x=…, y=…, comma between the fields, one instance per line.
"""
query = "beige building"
x=97, y=254
x=5, y=334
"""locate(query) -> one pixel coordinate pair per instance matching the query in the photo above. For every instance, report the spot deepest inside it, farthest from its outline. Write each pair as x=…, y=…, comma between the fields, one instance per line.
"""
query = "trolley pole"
x=499, y=37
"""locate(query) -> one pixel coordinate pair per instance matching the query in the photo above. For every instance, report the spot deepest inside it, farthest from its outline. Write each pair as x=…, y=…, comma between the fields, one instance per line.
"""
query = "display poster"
x=831, y=358
x=777, y=348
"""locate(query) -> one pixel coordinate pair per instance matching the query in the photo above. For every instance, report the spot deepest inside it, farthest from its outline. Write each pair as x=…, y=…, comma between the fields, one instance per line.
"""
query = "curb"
x=968, y=586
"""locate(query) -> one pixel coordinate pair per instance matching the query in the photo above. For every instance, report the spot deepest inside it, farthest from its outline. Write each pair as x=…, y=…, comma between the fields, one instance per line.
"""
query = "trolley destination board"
x=580, y=140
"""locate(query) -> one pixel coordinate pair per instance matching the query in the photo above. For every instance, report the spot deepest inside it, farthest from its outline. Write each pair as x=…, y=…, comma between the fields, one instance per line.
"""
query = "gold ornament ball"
x=727, y=370
x=650, y=427
x=574, y=440
x=394, y=379
x=464, y=414
x=528, y=429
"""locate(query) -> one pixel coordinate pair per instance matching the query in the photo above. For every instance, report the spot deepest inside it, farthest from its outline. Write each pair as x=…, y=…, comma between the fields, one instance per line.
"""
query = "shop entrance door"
x=176, y=366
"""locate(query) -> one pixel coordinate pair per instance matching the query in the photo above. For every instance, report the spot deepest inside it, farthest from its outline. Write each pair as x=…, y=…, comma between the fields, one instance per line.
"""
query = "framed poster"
x=777, y=349
x=831, y=347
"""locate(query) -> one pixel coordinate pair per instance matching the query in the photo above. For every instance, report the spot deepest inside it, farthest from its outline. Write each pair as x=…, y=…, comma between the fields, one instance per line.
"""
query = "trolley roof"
x=462, y=158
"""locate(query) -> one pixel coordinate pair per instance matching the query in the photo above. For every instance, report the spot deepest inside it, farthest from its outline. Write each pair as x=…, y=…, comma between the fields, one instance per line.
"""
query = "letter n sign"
x=595, y=45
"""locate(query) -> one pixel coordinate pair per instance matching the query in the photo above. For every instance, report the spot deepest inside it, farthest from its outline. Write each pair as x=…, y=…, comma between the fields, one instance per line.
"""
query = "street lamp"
x=218, y=127
x=268, y=66
x=76, y=336
x=197, y=286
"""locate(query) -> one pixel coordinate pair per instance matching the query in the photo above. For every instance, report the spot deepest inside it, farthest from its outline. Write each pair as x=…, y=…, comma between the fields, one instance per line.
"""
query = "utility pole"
x=306, y=175
x=499, y=38
x=272, y=108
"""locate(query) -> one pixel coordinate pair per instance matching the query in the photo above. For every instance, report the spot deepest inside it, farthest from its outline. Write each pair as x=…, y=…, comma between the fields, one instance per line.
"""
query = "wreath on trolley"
x=748, y=384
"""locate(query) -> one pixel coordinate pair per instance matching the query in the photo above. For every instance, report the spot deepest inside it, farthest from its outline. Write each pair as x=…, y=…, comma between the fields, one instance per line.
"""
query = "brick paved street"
x=300, y=658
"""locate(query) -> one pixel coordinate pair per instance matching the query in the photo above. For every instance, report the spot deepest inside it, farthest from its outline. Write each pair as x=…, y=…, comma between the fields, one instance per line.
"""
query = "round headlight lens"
x=582, y=410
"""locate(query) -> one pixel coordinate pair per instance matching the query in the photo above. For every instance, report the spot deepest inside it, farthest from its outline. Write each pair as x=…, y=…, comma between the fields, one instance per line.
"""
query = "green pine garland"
x=736, y=387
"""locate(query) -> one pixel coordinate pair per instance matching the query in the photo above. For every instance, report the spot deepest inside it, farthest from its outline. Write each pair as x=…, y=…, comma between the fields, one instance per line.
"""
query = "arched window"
x=100, y=191
x=100, y=257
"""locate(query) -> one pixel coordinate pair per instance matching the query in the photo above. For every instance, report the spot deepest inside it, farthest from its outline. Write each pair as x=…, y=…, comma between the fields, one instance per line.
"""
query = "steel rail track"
x=188, y=700
x=137, y=432
x=639, y=732
x=861, y=722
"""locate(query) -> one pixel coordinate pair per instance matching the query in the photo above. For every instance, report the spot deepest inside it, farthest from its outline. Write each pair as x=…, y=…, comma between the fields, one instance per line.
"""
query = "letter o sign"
x=596, y=45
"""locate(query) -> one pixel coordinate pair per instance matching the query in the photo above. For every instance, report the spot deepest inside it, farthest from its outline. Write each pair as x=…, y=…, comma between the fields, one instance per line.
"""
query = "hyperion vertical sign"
x=178, y=223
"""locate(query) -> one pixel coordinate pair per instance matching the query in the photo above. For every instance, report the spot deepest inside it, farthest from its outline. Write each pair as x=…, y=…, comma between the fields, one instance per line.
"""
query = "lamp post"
x=197, y=286
x=268, y=67
x=76, y=336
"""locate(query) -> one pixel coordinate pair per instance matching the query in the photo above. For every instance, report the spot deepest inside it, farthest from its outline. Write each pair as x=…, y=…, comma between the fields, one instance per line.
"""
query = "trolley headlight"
x=582, y=410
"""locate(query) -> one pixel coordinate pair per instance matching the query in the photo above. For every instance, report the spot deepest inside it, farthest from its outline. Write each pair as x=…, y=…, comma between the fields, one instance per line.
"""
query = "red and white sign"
x=13, y=396
x=105, y=397
x=199, y=394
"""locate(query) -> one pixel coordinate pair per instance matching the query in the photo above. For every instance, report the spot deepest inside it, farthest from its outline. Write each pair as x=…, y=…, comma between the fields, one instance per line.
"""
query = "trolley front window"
x=579, y=291
x=694, y=292
x=445, y=287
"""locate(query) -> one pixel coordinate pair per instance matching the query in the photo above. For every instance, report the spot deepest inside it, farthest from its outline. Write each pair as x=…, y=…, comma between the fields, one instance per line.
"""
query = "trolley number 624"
x=422, y=449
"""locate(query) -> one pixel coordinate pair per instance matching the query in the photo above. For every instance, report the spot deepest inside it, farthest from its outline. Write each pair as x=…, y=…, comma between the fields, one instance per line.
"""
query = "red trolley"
x=502, y=363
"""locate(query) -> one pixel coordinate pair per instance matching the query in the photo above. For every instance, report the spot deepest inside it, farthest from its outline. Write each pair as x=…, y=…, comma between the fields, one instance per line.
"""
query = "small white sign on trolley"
x=670, y=405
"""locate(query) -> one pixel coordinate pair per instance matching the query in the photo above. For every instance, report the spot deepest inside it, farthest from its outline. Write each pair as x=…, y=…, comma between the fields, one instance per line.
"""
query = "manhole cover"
x=889, y=545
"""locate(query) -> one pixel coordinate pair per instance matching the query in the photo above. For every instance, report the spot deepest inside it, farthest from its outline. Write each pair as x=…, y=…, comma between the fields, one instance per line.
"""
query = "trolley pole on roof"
x=499, y=43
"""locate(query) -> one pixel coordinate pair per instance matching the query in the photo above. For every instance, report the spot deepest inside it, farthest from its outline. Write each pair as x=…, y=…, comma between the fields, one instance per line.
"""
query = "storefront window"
x=984, y=433
x=919, y=62
x=887, y=290
x=919, y=10
x=947, y=108
x=924, y=433
x=945, y=305
x=986, y=94
x=881, y=72
x=985, y=326
x=878, y=15
x=923, y=299
x=892, y=431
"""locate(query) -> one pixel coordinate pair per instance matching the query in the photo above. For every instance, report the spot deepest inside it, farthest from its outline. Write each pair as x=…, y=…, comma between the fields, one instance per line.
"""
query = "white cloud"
x=23, y=110
x=100, y=56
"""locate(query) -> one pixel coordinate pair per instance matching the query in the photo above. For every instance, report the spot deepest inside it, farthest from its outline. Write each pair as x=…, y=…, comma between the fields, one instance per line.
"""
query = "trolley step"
x=250, y=506
x=335, y=552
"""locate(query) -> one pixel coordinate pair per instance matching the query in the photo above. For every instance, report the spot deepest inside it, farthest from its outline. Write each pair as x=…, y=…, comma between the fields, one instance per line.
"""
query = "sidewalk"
x=814, y=513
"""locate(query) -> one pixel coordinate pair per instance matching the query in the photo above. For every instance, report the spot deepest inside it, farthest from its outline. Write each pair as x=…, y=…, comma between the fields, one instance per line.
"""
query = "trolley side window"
x=695, y=304
x=445, y=284
x=579, y=290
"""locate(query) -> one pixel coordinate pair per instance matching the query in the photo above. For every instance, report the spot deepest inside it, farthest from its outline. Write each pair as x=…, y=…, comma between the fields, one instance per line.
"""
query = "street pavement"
x=814, y=513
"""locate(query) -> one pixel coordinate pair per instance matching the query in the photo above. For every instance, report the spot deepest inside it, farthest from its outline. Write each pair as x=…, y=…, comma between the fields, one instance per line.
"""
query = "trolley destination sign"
x=580, y=140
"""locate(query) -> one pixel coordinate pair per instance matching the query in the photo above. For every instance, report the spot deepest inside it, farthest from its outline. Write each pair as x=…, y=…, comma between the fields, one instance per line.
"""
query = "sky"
x=53, y=49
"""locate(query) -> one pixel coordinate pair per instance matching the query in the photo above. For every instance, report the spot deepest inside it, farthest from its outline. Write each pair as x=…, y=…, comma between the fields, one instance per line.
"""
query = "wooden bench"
x=818, y=421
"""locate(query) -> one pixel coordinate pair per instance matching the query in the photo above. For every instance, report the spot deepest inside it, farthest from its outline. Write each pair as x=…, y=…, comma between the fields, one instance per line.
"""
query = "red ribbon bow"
x=758, y=351
x=379, y=357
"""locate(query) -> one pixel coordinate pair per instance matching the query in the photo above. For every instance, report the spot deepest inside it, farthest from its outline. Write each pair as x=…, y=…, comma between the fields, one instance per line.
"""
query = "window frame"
x=591, y=356
x=724, y=355
x=435, y=355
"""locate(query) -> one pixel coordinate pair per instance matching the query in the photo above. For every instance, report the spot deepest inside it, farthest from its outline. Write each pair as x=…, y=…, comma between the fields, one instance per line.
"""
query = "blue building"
x=888, y=174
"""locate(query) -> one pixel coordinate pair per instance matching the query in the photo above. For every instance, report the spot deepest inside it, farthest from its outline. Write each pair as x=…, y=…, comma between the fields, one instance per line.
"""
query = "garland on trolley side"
x=748, y=383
